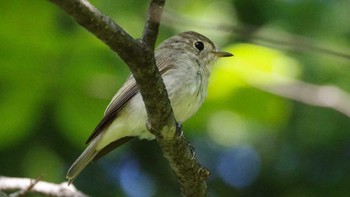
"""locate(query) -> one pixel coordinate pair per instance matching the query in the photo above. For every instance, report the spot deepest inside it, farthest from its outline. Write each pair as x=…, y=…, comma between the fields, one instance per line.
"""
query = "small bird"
x=184, y=61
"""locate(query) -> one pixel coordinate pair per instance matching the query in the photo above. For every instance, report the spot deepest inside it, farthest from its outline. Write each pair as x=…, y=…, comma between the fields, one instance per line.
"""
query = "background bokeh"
x=275, y=122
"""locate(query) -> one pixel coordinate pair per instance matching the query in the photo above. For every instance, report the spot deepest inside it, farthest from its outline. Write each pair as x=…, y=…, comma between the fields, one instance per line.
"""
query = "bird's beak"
x=222, y=54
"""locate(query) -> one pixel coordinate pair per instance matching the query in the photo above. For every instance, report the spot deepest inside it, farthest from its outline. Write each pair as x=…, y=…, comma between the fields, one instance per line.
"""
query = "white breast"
x=186, y=86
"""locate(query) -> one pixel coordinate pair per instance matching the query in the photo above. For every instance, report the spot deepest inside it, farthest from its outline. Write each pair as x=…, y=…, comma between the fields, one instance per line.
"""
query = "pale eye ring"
x=199, y=45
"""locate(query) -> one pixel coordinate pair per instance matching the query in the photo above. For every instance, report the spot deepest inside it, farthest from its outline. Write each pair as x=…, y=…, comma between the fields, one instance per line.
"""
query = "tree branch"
x=139, y=56
x=318, y=95
x=150, y=31
x=26, y=185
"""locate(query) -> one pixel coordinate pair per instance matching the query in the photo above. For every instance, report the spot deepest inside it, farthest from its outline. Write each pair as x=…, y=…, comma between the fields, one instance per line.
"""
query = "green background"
x=56, y=80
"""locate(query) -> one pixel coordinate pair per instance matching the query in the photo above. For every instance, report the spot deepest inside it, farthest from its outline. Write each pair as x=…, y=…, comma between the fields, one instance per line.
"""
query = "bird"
x=184, y=61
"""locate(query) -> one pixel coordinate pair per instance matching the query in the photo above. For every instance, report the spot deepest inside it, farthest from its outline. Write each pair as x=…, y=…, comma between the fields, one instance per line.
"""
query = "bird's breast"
x=187, y=87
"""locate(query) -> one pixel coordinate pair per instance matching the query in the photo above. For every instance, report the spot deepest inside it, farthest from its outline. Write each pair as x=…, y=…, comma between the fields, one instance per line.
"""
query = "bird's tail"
x=83, y=160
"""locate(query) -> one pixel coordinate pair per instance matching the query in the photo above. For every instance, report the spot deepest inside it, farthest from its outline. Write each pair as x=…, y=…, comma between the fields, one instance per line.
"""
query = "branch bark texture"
x=138, y=54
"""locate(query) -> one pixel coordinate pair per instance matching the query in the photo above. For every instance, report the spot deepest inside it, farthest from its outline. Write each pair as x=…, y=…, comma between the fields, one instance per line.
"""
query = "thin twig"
x=26, y=190
x=36, y=186
x=150, y=31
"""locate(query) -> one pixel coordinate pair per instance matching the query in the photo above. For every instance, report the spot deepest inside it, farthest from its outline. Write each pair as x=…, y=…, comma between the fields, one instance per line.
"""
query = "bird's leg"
x=179, y=130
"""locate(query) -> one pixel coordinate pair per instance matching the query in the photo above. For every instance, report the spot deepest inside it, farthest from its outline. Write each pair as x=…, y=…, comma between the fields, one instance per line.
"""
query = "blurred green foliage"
x=56, y=80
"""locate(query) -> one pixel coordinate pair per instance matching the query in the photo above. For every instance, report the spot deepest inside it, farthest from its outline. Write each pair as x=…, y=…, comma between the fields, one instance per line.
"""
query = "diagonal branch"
x=318, y=95
x=139, y=56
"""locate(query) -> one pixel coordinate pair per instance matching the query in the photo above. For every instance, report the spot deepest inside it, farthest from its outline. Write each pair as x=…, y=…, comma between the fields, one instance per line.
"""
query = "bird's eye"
x=199, y=45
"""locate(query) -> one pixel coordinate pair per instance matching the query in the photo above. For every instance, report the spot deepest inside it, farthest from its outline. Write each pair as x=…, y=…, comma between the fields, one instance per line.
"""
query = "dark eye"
x=199, y=45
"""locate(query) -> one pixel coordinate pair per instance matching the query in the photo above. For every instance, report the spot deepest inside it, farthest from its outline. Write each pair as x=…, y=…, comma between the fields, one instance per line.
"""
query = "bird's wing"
x=125, y=93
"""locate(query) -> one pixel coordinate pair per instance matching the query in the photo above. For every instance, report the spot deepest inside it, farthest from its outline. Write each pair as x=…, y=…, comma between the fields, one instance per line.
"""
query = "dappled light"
x=133, y=181
x=228, y=129
x=239, y=166
x=252, y=64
